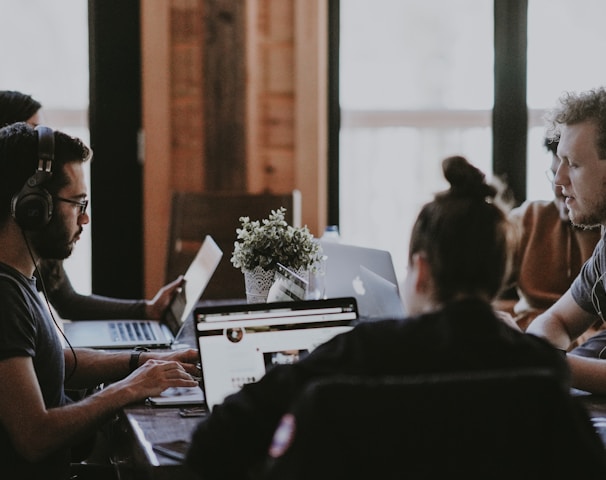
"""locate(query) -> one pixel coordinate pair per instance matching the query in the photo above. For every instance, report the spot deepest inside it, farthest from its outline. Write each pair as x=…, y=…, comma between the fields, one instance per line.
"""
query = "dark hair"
x=19, y=161
x=579, y=107
x=551, y=144
x=465, y=235
x=16, y=107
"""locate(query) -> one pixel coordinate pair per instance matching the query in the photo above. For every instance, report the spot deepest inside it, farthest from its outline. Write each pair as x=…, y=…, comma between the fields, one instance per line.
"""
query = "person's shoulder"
x=532, y=214
x=10, y=275
x=14, y=288
x=534, y=208
x=384, y=324
x=379, y=331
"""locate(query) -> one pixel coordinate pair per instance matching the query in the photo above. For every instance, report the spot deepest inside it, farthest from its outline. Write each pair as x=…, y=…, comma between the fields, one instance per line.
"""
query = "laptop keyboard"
x=131, y=332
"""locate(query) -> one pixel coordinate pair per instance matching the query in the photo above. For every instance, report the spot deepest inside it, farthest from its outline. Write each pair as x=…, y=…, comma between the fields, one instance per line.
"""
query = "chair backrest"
x=195, y=214
x=477, y=425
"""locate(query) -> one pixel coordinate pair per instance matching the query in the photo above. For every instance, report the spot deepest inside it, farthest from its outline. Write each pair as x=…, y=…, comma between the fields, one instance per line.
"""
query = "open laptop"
x=366, y=274
x=238, y=343
x=127, y=333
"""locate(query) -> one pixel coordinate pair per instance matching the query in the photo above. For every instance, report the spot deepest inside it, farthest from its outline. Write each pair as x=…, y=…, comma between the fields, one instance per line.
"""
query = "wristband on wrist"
x=133, y=363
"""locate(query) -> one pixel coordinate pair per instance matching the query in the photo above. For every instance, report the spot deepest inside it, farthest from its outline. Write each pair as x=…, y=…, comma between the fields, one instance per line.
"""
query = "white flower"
x=273, y=241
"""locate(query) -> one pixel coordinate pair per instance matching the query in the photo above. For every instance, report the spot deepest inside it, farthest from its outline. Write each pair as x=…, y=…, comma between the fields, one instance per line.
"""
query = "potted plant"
x=261, y=245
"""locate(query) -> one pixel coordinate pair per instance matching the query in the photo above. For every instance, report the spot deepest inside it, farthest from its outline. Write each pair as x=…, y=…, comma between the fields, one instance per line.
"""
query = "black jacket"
x=464, y=336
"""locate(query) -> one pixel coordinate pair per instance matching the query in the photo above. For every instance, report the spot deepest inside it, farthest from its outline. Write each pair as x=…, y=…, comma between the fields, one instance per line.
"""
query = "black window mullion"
x=510, y=111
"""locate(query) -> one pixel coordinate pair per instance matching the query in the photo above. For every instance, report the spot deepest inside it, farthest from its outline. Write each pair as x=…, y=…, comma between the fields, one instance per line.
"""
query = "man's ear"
x=423, y=281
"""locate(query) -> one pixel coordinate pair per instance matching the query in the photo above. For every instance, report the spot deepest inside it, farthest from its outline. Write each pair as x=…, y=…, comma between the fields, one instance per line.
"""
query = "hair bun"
x=465, y=179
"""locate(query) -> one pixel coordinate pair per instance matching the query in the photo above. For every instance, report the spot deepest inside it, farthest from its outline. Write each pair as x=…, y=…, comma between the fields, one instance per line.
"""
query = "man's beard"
x=593, y=215
x=53, y=241
x=589, y=221
x=585, y=223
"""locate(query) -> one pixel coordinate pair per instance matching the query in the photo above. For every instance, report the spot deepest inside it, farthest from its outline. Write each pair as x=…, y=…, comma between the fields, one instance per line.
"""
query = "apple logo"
x=358, y=285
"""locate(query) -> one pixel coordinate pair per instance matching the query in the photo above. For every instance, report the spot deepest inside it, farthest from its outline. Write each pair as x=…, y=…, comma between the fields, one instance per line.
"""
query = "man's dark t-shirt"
x=27, y=330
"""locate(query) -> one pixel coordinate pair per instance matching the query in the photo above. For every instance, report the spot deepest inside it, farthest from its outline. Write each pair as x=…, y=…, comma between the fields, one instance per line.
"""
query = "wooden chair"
x=195, y=215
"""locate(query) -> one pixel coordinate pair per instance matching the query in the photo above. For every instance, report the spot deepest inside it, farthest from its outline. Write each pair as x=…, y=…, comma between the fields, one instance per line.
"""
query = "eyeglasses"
x=82, y=204
x=550, y=174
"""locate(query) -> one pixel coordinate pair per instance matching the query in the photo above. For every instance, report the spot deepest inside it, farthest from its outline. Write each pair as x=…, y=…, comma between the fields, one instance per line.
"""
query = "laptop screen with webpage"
x=238, y=344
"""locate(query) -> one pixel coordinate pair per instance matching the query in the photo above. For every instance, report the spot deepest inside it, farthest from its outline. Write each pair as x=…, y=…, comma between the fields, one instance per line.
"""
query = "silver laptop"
x=238, y=344
x=127, y=333
x=366, y=274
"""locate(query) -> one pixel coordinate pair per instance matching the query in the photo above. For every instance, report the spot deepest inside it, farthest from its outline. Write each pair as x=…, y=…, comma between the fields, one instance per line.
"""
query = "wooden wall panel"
x=270, y=98
x=234, y=98
x=186, y=91
x=156, y=116
x=224, y=85
x=311, y=110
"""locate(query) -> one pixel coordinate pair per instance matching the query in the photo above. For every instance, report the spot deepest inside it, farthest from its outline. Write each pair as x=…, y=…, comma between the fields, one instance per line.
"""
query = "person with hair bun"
x=457, y=262
x=19, y=107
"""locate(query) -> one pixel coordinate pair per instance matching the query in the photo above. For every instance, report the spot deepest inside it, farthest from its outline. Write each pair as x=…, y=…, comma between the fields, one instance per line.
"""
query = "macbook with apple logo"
x=364, y=273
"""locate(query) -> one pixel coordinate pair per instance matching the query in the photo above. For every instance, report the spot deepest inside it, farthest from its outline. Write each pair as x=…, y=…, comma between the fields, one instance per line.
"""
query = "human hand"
x=155, y=376
x=188, y=359
x=154, y=308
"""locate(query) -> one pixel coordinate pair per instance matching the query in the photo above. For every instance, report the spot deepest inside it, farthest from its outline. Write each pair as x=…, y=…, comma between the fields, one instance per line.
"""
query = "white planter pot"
x=258, y=281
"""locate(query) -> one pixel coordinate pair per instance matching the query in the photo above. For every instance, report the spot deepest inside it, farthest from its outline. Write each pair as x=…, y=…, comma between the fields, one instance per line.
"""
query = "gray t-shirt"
x=589, y=288
x=27, y=330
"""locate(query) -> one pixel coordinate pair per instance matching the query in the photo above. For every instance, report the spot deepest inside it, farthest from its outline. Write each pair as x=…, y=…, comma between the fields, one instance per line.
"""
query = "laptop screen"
x=238, y=344
x=196, y=279
x=366, y=274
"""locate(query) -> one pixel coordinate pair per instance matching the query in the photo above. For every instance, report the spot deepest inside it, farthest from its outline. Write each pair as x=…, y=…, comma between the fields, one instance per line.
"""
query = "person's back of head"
x=575, y=108
x=464, y=234
x=16, y=107
x=19, y=160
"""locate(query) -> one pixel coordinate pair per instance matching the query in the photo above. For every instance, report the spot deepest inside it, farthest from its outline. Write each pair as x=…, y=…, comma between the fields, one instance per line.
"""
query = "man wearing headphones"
x=15, y=107
x=43, y=202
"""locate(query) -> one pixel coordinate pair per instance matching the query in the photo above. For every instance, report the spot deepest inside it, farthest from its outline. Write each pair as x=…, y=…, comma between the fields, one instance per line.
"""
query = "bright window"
x=45, y=54
x=416, y=86
x=565, y=45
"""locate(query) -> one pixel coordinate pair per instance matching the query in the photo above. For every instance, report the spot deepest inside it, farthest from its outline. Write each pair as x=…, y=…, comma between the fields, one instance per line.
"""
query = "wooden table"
x=143, y=426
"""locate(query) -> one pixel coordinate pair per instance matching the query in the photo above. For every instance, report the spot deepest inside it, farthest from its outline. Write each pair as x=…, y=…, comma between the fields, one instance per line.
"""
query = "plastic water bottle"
x=316, y=288
x=331, y=233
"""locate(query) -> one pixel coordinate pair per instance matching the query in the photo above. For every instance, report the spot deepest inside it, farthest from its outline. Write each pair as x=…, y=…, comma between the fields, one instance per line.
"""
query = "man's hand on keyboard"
x=187, y=358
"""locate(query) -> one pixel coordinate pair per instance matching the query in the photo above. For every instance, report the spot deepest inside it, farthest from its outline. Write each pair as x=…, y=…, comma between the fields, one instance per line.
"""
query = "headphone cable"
x=44, y=293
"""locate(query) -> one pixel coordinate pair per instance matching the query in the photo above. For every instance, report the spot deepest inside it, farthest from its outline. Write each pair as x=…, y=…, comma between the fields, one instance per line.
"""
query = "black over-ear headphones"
x=32, y=206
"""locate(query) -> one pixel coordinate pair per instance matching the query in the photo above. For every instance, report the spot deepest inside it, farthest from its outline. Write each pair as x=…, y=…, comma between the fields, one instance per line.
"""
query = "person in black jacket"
x=458, y=260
